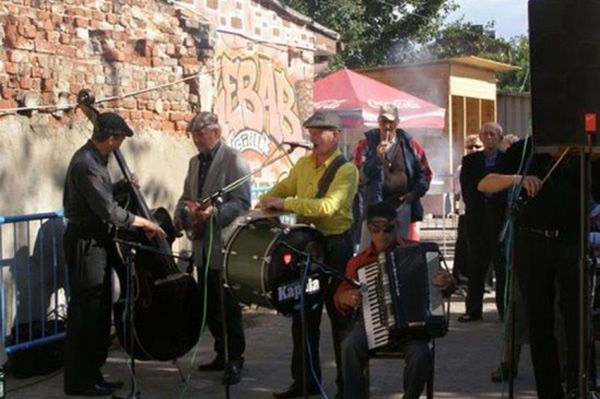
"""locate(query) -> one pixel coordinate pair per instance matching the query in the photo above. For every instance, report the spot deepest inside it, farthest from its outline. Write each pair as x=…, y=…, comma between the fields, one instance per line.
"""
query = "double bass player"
x=92, y=211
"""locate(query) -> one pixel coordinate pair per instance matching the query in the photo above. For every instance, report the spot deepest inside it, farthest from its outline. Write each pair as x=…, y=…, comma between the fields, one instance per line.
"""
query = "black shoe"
x=110, y=384
x=501, y=373
x=467, y=318
x=295, y=391
x=217, y=364
x=95, y=390
x=233, y=372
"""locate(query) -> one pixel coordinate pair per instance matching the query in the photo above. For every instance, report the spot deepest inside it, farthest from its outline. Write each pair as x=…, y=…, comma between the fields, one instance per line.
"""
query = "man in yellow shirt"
x=329, y=207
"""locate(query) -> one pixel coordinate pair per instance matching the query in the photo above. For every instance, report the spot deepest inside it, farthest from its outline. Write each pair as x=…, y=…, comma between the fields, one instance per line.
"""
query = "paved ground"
x=463, y=363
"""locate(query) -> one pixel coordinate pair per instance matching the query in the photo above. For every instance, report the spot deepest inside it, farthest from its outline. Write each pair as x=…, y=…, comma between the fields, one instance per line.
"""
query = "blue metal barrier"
x=32, y=279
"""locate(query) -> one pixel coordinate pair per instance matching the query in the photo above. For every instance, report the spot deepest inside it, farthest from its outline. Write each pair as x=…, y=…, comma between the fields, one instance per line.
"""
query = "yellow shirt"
x=331, y=214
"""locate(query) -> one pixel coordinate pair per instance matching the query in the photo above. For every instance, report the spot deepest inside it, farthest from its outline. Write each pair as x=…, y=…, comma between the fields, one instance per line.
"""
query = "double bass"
x=164, y=321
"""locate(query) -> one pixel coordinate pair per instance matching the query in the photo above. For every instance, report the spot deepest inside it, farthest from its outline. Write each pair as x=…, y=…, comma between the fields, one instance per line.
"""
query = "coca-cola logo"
x=328, y=104
x=400, y=104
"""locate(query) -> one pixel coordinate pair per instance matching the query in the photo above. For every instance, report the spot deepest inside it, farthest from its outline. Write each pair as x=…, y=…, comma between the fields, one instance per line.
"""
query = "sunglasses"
x=473, y=147
x=386, y=228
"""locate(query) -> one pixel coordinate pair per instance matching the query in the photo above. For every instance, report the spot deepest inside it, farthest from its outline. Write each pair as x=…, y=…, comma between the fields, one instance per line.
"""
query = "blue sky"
x=510, y=15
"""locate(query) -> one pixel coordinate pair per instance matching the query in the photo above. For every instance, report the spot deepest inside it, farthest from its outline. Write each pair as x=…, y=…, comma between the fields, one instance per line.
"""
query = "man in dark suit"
x=484, y=214
x=216, y=166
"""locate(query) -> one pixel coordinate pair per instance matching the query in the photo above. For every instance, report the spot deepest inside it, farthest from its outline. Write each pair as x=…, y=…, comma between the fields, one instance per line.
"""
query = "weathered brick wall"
x=56, y=48
x=52, y=49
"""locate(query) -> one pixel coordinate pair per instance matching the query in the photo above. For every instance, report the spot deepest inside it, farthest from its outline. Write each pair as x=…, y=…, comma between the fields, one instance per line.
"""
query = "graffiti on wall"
x=258, y=107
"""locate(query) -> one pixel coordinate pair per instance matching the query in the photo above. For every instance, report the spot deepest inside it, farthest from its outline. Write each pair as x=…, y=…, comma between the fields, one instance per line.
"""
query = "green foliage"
x=460, y=39
x=376, y=32
x=383, y=32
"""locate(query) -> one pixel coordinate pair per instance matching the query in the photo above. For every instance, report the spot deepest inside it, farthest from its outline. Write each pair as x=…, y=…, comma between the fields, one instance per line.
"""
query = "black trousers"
x=89, y=258
x=338, y=253
x=461, y=251
x=540, y=263
x=483, y=229
x=235, y=331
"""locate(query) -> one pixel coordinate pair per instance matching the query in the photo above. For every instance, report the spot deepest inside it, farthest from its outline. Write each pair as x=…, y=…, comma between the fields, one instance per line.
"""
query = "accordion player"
x=398, y=296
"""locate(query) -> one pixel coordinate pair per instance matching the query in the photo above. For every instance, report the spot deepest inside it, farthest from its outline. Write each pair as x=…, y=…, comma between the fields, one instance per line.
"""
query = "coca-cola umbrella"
x=357, y=98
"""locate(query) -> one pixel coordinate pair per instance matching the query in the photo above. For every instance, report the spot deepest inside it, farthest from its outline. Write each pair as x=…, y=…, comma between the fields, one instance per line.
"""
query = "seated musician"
x=355, y=353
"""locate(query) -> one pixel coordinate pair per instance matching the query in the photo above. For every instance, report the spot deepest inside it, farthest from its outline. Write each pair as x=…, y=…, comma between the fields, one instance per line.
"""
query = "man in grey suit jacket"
x=216, y=166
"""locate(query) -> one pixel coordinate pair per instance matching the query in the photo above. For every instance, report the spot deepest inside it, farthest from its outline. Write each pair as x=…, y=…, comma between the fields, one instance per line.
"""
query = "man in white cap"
x=394, y=169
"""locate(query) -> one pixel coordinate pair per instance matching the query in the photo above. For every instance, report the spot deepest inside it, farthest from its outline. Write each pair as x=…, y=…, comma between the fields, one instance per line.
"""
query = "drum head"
x=286, y=266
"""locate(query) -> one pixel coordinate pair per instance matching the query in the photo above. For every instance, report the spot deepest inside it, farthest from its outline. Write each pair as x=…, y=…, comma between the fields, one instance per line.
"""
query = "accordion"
x=398, y=297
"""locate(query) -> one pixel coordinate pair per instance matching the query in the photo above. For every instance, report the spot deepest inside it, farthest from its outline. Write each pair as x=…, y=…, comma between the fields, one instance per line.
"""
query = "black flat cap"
x=381, y=210
x=111, y=124
x=324, y=119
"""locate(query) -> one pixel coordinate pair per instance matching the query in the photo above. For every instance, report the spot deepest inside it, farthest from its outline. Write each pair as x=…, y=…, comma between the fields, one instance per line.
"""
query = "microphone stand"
x=324, y=269
x=214, y=197
x=130, y=249
x=129, y=260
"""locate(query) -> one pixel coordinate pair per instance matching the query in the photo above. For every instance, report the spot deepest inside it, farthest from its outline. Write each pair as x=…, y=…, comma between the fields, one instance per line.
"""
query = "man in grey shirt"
x=90, y=252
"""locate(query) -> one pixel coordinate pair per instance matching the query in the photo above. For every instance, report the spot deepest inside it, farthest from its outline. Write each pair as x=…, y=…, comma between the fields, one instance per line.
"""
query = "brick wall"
x=56, y=48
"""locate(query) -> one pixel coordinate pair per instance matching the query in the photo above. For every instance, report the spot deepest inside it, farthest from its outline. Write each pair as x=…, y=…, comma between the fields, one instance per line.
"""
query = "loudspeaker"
x=564, y=39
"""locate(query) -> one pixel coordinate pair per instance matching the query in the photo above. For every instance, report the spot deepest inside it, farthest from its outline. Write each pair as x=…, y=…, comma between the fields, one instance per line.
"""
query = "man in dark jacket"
x=484, y=214
x=92, y=213
x=394, y=169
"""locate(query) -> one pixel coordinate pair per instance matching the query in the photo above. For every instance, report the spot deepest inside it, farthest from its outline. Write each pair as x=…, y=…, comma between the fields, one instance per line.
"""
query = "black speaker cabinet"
x=565, y=70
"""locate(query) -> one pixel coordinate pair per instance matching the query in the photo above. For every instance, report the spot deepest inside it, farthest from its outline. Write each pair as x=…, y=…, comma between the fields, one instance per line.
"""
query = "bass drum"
x=261, y=269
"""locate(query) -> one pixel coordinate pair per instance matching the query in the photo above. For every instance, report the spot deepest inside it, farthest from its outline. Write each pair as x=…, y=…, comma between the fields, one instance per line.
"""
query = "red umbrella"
x=357, y=99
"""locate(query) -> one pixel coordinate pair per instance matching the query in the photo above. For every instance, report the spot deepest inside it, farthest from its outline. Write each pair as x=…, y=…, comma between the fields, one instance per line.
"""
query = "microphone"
x=296, y=144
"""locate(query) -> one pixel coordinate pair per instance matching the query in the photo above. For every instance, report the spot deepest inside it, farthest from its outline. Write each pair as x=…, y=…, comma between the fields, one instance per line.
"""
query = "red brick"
x=147, y=115
x=11, y=68
x=75, y=87
x=47, y=24
x=67, y=51
x=129, y=103
x=81, y=22
x=65, y=38
x=214, y=4
x=43, y=46
x=119, y=35
x=188, y=61
x=175, y=116
x=112, y=19
x=5, y=104
x=156, y=62
x=143, y=61
x=47, y=85
x=168, y=126
x=42, y=14
x=25, y=82
x=47, y=98
x=97, y=15
x=27, y=31
x=181, y=126
x=7, y=92
x=52, y=36
x=36, y=72
x=236, y=22
x=135, y=115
